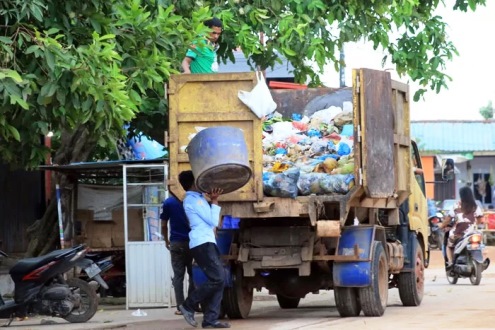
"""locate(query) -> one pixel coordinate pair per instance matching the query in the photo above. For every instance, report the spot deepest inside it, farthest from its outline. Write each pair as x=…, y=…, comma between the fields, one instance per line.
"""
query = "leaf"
x=32, y=49
x=14, y=132
x=52, y=31
x=6, y=40
x=7, y=73
x=289, y=52
x=14, y=99
x=50, y=59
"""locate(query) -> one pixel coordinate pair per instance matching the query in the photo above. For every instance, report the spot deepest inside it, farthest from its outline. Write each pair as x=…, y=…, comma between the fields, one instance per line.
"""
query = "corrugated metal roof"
x=455, y=135
x=283, y=70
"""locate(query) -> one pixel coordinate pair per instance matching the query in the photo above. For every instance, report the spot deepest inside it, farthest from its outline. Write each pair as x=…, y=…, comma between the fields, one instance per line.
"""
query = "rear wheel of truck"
x=412, y=284
x=347, y=301
x=287, y=302
x=238, y=299
x=374, y=297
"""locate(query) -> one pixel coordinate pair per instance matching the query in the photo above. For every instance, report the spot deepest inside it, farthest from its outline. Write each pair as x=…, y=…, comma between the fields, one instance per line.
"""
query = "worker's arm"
x=165, y=234
x=186, y=64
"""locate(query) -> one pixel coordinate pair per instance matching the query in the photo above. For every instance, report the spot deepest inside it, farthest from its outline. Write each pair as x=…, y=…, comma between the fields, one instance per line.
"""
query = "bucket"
x=219, y=159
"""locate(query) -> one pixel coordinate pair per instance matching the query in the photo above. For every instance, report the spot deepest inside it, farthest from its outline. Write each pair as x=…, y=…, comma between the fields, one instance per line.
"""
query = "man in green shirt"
x=202, y=57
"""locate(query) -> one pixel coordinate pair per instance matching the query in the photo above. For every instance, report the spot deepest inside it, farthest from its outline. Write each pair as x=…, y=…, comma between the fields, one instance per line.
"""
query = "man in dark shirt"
x=178, y=244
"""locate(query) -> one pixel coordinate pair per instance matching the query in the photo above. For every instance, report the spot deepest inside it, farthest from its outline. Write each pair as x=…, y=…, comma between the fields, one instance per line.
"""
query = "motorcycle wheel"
x=452, y=278
x=89, y=301
x=475, y=277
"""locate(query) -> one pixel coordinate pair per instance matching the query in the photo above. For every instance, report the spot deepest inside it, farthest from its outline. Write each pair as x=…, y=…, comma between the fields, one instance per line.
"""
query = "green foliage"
x=92, y=66
x=487, y=111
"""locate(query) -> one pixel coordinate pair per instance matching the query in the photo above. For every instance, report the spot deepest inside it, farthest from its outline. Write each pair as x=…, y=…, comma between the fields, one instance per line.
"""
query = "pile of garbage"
x=309, y=155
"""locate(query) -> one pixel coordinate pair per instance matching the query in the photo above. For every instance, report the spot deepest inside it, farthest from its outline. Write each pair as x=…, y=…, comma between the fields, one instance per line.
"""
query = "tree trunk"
x=43, y=234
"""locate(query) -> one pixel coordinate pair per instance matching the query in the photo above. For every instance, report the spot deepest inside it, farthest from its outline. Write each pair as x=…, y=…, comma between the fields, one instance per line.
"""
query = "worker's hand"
x=167, y=244
x=214, y=194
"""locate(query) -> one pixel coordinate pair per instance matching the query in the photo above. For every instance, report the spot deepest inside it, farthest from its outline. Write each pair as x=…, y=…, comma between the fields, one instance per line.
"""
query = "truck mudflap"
x=354, y=273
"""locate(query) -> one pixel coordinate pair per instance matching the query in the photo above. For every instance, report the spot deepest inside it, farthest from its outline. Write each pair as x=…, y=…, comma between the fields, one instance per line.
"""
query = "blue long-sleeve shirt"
x=203, y=218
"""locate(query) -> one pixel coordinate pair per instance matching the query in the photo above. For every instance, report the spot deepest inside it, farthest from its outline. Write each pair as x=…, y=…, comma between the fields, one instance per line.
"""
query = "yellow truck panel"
x=203, y=100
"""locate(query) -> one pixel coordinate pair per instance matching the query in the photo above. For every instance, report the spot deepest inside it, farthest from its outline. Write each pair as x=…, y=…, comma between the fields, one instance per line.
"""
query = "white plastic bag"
x=259, y=100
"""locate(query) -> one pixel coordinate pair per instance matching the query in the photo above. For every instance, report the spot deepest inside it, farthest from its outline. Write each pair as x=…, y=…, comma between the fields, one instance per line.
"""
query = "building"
x=280, y=71
x=470, y=143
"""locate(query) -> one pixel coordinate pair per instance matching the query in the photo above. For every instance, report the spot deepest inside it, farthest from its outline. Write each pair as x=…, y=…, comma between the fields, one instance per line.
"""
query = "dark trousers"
x=210, y=293
x=181, y=262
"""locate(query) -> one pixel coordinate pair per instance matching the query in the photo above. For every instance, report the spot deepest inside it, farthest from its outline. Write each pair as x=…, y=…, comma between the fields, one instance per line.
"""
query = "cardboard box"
x=135, y=225
x=110, y=234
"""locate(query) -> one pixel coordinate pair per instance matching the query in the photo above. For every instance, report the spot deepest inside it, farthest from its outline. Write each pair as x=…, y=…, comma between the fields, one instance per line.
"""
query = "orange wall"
x=428, y=163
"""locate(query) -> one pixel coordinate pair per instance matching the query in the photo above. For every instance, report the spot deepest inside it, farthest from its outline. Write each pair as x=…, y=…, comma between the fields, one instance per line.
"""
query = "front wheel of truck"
x=412, y=283
x=347, y=301
x=238, y=299
x=374, y=297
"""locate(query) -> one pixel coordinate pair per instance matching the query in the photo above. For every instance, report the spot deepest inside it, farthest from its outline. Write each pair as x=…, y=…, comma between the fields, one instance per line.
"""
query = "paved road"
x=444, y=306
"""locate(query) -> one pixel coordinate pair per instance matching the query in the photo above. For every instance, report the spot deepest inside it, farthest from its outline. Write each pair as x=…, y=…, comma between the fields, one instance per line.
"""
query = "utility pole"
x=342, y=68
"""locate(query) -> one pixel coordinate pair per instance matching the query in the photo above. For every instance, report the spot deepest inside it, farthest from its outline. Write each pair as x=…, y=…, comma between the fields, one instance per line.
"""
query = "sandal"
x=178, y=312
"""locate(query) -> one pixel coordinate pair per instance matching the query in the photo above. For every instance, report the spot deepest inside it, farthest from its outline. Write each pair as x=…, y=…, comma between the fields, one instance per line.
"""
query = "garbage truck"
x=360, y=242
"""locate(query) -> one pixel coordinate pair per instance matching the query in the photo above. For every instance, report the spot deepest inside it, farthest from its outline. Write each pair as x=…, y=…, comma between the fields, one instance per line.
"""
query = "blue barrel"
x=219, y=159
x=224, y=240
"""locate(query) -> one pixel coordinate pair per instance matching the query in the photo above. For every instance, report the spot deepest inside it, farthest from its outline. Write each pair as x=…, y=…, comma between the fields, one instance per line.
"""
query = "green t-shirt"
x=204, y=58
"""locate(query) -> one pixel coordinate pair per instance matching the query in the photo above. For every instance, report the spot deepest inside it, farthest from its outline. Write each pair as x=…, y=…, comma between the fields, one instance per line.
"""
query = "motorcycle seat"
x=25, y=266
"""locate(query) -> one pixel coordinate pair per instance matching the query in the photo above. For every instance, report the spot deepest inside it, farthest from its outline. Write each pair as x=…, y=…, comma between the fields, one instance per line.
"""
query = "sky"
x=472, y=72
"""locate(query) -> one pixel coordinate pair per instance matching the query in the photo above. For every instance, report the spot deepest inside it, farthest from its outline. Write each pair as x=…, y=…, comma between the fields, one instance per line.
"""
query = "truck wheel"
x=287, y=302
x=238, y=299
x=412, y=284
x=86, y=298
x=374, y=297
x=347, y=301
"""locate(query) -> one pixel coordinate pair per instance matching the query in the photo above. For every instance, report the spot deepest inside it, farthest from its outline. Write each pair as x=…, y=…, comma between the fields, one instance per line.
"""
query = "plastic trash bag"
x=309, y=183
x=281, y=184
x=259, y=99
x=337, y=183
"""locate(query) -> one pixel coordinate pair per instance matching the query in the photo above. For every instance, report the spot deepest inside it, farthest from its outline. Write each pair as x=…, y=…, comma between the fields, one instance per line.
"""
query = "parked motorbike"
x=468, y=258
x=104, y=263
x=41, y=288
x=436, y=233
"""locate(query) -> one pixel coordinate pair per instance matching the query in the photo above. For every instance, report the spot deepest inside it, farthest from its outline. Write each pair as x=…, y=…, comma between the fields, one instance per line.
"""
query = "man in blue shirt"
x=178, y=244
x=203, y=219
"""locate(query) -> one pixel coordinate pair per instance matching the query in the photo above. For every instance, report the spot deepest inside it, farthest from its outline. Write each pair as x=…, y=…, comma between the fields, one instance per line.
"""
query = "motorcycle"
x=41, y=287
x=436, y=233
x=468, y=258
x=104, y=263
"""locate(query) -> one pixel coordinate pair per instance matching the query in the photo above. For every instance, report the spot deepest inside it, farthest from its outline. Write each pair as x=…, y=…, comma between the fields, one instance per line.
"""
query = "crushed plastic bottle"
x=139, y=312
x=356, y=221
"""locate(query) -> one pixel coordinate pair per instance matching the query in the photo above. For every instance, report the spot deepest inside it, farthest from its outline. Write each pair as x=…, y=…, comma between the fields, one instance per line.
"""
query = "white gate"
x=148, y=266
x=149, y=274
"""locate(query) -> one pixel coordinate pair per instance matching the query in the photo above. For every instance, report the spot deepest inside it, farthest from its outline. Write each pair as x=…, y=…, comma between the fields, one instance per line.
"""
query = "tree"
x=85, y=68
x=487, y=111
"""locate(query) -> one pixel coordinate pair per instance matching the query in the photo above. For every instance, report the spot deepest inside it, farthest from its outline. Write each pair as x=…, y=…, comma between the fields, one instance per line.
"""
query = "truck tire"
x=88, y=301
x=347, y=301
x=374, y=297
x=412, y=284
x=238, y=299
x=287, y=302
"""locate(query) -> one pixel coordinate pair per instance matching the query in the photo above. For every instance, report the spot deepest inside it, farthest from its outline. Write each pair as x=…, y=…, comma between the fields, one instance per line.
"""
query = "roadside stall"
x=115, y=211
